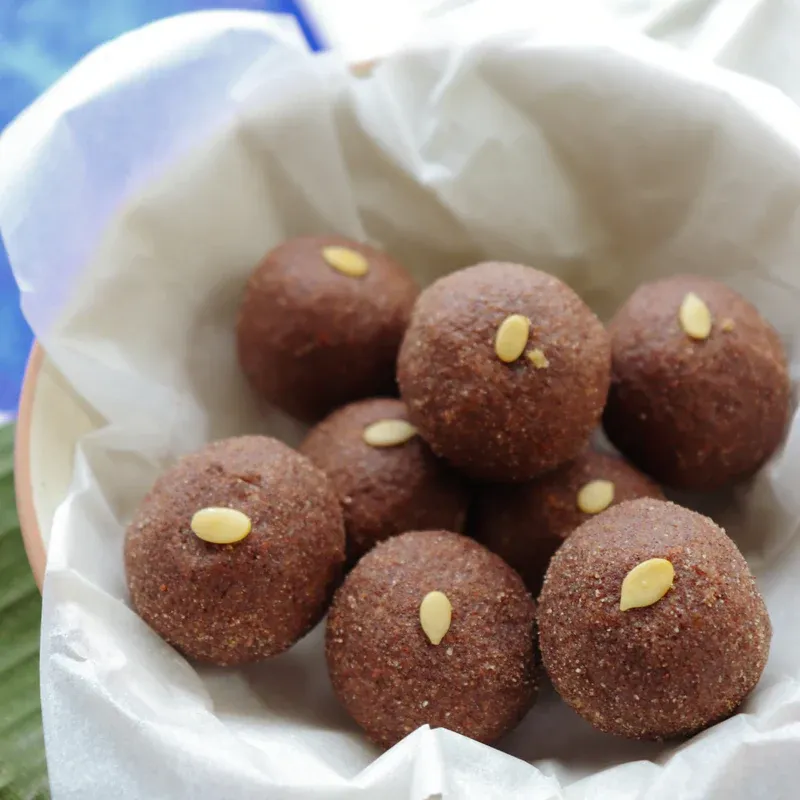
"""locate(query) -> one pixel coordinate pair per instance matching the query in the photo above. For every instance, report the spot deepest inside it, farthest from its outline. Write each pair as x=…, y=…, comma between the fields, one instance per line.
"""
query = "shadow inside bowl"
x=293, y=686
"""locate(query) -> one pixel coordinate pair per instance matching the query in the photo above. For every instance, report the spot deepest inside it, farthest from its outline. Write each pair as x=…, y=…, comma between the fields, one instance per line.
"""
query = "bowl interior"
x=52, y=420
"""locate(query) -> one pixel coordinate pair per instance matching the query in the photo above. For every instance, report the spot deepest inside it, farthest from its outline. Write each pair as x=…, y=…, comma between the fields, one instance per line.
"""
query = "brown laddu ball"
x=667, y=669
x=250, y=599
x=525, y=523
x=695, y=413
x=478, y=680
x=387, y=479
x=320, y=324
x=504, y=399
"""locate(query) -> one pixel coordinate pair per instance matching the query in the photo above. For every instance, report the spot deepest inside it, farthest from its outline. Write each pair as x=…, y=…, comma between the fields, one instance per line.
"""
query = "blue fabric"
x=40, y=40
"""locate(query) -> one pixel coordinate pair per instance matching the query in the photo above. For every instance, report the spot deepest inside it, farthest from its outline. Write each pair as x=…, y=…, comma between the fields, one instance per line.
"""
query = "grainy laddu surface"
x=695, y=414
x=311, y=339
x=671, y=668
x=503, y=421
x=479, y=681
x=525, y=523
x=229, y=604
x=384, y=491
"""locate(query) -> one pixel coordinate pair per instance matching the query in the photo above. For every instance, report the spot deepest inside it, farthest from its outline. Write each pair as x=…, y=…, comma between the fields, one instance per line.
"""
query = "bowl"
x=113, y=688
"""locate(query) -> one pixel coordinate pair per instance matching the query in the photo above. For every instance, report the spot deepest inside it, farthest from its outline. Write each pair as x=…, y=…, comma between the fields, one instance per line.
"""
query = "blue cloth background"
x=40, y=40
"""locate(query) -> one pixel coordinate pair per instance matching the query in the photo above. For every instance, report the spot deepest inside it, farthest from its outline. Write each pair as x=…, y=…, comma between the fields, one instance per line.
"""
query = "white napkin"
x=136, y=196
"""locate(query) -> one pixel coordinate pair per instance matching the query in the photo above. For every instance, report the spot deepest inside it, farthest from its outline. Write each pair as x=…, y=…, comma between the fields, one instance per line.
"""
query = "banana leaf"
x=23, y=773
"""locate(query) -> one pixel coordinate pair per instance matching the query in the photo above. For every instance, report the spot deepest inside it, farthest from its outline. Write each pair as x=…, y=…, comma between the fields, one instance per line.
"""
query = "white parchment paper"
x=136, y=196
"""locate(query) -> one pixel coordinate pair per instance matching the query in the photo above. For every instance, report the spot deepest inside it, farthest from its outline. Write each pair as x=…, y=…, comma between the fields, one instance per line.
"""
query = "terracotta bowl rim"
x=23, y=482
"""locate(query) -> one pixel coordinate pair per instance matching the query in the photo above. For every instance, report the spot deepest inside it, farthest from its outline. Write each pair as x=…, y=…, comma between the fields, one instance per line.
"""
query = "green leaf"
x=23, y=772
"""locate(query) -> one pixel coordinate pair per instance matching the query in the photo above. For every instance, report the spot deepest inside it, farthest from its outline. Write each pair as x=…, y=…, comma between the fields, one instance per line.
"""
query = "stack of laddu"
x=426, y=523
